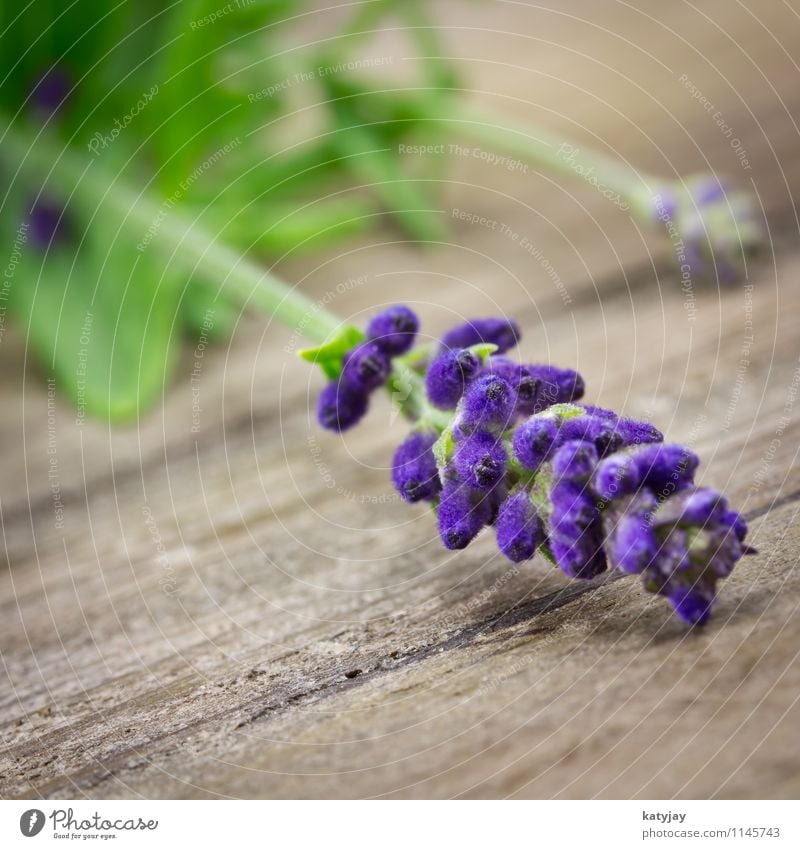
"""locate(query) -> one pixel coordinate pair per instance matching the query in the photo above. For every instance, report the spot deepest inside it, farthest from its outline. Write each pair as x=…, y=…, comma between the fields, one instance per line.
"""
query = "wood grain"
x=247, y=611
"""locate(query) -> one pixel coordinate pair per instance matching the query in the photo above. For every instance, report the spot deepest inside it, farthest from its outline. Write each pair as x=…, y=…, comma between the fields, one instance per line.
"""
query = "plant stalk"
x=29, y=154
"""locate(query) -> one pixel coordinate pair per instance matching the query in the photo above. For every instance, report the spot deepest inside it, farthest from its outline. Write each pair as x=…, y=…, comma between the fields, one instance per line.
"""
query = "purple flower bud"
x=51, y=91
x=519, y=528
x=575, y=461
x=497, y=496
x=574, y=508
x=534, y=440
x=488, y=404
x=693, y=603
x=600, y=411
x=525, y=385
x=634, y=546
x=414, y=471
x=601, y=432
x=616, y=476
x=366, y=367
x=449, y=375
x=581, y=557
x=666, y=468
x=48, y=223
x=703, y=506
x=503, y=332
x=480, y=459
x=638, y=433
x=557, y=385
x=462, y=513
x=393, y=330
x=736, y=521
x=340, y=407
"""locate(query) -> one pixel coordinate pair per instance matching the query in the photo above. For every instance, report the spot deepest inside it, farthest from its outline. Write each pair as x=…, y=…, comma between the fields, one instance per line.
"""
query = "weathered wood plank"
x=248, y=611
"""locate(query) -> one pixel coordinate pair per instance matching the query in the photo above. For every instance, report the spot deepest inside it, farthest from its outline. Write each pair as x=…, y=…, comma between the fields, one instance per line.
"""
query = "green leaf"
x=102, y=325
x=329, y=356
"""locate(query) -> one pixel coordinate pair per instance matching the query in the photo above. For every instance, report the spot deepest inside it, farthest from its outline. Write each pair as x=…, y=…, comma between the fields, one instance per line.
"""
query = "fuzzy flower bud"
x=617, y=475
x=534, y=440
x=414, y=471
x=525, y=384
x=394, y=330
x=666, y=468
x=366, y=367
x=480, y=459
x=503, y=332
x=557, y=385
x=600, y=431
x=340, y=407
x=488, y=404
x=519, y=528
x=449, y=375
x=462, y=512
x=721, y=227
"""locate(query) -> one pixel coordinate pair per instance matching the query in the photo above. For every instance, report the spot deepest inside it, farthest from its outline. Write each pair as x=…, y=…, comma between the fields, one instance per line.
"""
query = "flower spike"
x=501, y=443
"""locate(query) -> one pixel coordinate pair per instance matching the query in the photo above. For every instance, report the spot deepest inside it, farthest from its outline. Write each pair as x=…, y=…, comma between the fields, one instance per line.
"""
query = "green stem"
x=540, y=146
x=31, y=155
x=407, y=390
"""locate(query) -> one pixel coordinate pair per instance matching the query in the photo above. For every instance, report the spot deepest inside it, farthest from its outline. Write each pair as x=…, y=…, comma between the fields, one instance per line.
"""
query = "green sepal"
x=563, y=411
x=544, y=550
x=330, y=355
x=443, y=447
x=483, y=350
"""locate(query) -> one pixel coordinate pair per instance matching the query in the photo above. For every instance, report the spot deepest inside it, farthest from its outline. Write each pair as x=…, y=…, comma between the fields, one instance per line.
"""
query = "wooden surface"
x=248, y=612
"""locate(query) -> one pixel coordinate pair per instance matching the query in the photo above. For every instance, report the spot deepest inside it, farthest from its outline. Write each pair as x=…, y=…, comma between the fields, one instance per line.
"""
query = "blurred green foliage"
x=183, y=106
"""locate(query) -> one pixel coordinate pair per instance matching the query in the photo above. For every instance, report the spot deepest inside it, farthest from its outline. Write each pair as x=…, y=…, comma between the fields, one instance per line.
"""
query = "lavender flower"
x=448, y=376
x=504, y=444
x=366, y=367
x=519, y=529
x=557, y=385
x=414, y=471
x=394, y=330
x=48, y=223
x=480, y=460
x=503, y=332
x=525, y=384
x=462, y=512
x=534, y=440
x=488, y=404
x=340, y=407
x=714, y=227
